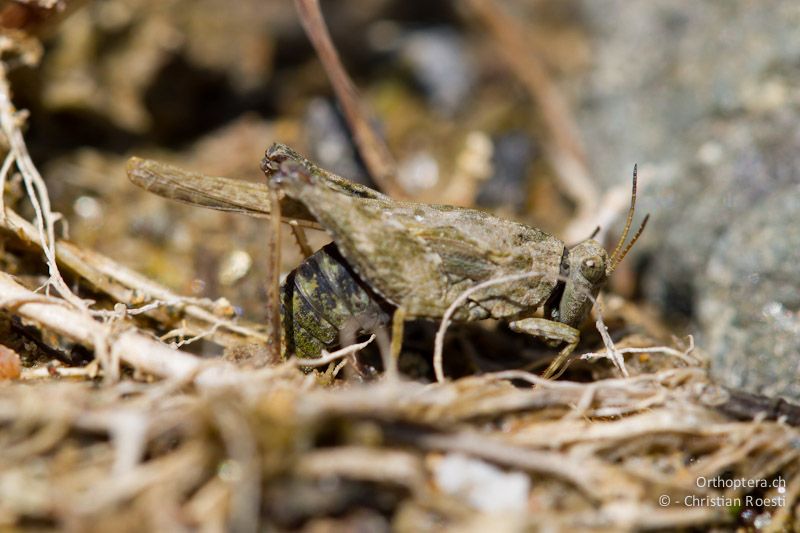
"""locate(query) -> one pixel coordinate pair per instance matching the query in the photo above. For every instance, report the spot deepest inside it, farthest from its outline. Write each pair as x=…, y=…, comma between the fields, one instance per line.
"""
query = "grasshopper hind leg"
x=324, y=302
x=550, y=330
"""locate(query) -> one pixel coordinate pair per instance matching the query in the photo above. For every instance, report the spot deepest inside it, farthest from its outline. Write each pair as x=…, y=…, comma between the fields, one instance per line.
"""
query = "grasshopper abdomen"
x=324, y=299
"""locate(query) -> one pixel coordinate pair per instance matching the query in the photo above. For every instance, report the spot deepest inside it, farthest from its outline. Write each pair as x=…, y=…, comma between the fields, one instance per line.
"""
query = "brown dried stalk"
x=273, y=299
x=373, y=149
x=594, y=470
x=122, y=283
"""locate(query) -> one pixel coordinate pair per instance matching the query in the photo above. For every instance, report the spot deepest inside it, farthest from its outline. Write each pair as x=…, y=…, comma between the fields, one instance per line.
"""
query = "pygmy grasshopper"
x=409, y=260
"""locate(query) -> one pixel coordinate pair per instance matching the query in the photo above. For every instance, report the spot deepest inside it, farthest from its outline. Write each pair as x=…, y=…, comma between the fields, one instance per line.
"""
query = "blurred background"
x=536, y=110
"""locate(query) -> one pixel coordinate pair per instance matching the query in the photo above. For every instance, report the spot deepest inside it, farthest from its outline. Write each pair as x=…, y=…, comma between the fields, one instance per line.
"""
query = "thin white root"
x=35, y=186
x=181, y=332
x=685, y=356
x=611, y=350
x=328, y=357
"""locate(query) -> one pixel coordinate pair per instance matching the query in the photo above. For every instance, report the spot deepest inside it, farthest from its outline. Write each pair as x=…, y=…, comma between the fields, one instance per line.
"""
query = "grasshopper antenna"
x=630, y=244
x=616, y=256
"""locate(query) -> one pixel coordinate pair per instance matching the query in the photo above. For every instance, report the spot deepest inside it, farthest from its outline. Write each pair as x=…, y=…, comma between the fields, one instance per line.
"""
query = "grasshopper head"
x=586, y=267
x=586, y=270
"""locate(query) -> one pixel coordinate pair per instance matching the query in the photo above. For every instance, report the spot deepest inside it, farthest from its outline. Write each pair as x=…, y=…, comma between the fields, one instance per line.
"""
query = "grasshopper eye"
x=593, y=268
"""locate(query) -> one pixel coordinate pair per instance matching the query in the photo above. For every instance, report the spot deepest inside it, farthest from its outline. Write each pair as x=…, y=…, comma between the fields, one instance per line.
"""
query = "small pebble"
x=87, y=207
x=418, y=173
x=10, y=364
x=235, y=266
x=484, y=486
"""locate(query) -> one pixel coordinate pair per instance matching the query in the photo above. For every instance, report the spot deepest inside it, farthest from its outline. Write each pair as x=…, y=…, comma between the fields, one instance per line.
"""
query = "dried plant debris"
x=125, y=405
x=287, y=452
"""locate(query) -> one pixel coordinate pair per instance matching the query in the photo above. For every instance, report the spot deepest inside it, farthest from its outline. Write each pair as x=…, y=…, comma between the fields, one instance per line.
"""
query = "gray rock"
x=748, y=158
x=750, y=304
x=702, y=95
x=729, y=252
x=663, y=71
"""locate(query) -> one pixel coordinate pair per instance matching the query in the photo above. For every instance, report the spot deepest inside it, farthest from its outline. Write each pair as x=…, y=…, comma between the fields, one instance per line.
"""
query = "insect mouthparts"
x=269, y=165
x=272, y=162
x=275, y=156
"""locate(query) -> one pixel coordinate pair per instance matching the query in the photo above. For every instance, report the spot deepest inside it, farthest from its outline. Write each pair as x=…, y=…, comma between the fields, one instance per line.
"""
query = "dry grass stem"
x=685, y=356
x=273, y=299
x=371, y=146
x=131, y=288
x=611, y=350
x=133, y=347
x=611, y=468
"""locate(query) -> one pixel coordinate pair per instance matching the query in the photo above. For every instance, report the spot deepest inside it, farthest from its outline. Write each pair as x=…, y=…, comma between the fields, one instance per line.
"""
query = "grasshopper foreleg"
x=550, y=331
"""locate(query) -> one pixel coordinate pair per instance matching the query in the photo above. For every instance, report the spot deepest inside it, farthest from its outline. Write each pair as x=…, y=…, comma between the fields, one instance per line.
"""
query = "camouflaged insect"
x=404, y=259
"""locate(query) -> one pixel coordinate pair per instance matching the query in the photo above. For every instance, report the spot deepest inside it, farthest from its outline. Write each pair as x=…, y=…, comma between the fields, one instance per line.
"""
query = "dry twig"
x=133, y=347
x=326, y=358
x=438, y=366
x=371, y=146
x=273, y=299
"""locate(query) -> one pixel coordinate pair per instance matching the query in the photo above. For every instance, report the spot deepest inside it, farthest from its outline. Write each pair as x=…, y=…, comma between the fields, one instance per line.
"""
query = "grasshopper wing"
x=223, y=194
x=474, y=246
